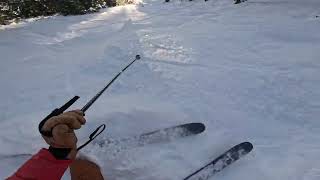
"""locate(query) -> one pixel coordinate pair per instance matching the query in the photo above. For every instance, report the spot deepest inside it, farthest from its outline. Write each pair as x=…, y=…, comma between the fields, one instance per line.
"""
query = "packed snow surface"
x=250, y=72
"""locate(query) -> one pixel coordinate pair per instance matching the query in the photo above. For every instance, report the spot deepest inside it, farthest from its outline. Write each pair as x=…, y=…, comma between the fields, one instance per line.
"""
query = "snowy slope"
x=250, y=72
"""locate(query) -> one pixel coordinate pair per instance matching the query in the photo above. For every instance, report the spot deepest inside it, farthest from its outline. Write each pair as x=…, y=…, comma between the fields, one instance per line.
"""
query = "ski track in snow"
x=250, y=72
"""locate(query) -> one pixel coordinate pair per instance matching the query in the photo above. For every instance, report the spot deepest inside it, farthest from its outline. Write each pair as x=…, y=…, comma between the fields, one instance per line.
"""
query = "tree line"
x=21, y=9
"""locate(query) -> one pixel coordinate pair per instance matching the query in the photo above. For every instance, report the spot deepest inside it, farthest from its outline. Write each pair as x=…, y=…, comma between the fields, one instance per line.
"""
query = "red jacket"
x=41, y=166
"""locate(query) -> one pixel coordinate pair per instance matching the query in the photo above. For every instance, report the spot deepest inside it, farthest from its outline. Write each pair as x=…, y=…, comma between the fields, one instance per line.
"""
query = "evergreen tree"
x=17, y=9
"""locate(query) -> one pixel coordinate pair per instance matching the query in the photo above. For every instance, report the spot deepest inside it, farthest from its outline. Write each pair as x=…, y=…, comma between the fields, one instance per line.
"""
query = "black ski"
x=221, y=162
x=8, y=156
x=158, y=136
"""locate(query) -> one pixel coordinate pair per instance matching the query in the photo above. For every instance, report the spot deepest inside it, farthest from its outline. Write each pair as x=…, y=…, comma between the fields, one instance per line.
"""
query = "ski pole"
x=87, y=106
x=60, y=110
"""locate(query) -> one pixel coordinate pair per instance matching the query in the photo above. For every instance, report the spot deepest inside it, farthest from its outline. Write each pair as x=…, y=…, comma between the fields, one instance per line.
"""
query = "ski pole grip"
x=69, y=103
x=55, y=112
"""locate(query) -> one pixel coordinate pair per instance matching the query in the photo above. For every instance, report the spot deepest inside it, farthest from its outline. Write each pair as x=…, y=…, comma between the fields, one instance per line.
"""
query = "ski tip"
x=195, y=128
x=247, y=146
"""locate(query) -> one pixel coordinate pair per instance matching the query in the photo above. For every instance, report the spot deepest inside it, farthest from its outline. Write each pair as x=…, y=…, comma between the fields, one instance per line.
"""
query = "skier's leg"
x=82, y=169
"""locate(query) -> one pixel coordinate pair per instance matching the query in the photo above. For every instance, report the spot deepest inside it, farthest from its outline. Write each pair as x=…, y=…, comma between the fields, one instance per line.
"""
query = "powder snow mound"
x=250, y=72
